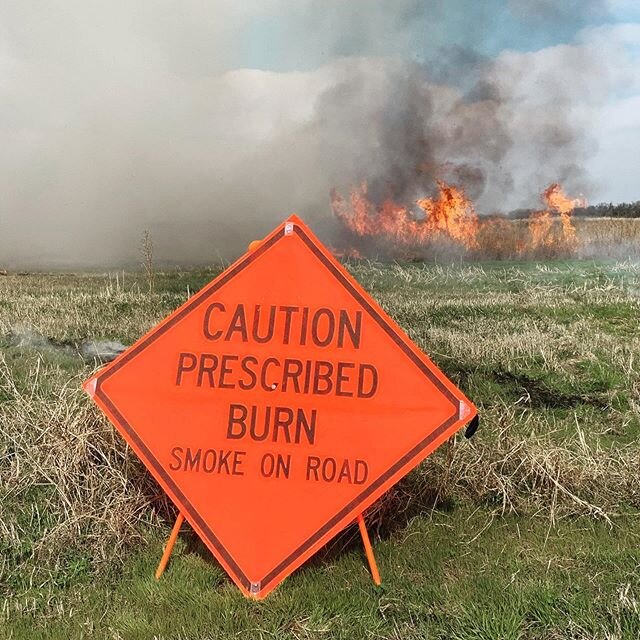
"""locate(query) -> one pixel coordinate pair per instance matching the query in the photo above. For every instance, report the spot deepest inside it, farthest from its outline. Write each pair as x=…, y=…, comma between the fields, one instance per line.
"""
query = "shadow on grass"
x=412, y=497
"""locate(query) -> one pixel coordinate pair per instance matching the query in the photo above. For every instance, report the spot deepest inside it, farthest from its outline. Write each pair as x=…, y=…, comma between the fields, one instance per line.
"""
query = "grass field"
x=529, y=530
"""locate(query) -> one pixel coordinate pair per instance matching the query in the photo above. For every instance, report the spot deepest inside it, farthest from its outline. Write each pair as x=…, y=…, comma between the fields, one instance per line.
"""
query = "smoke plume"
x=119, y=117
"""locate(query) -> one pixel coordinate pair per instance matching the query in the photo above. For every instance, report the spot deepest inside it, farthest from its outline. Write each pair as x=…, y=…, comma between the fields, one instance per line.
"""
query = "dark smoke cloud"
x=510, y=134
x=119, y=117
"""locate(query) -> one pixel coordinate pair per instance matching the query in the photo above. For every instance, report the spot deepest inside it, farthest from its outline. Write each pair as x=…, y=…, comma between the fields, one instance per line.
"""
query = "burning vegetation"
x=448, y=222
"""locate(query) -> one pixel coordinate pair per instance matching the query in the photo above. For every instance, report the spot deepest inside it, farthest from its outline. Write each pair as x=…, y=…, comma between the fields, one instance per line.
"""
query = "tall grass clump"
x=71, y=493
x=609, y=237
x=539, y=475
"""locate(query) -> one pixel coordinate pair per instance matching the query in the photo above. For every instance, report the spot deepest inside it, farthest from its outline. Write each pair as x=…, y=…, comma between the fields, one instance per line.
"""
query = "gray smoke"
x=92, y=351
x=119, y=117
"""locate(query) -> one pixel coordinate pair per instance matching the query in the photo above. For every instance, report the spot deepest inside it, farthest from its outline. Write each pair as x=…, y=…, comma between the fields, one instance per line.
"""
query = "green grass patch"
x=461, y=574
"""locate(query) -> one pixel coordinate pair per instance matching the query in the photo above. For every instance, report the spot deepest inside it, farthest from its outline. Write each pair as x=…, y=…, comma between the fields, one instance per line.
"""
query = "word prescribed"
x=290, y=375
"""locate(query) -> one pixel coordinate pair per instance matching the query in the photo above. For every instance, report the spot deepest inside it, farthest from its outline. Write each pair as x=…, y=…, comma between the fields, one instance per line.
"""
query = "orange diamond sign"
x=276, y=405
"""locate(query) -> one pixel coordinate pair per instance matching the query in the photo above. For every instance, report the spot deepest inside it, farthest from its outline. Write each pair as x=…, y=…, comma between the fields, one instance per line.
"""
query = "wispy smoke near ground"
x=119, y=117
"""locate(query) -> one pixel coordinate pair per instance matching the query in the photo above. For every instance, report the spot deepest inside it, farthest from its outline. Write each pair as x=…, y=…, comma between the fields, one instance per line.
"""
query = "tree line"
x=602, y=210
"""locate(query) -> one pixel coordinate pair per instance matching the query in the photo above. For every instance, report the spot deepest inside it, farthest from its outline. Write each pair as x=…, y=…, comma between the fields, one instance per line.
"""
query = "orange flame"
x=451, y=216
x=558, y=201
x=540, y=226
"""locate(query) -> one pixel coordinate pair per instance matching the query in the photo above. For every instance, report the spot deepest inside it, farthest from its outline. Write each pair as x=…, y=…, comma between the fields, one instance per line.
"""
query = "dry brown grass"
x=608, y=237
x=594, y=237
x=537, y=238
x=68, y=482
x=541, y=474
x=536, y=475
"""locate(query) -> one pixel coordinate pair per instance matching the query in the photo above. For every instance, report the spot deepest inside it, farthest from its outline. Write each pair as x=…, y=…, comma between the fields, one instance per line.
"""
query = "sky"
x=500, y=26
x=208, y=121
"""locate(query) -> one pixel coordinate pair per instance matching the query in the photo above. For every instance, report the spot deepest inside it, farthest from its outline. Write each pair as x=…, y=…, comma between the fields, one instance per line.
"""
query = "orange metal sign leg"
x=169, y=547
x=369, y=551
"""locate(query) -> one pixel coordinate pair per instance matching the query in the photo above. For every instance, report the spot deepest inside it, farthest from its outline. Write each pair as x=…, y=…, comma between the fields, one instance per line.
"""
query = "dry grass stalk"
x=146, y=250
